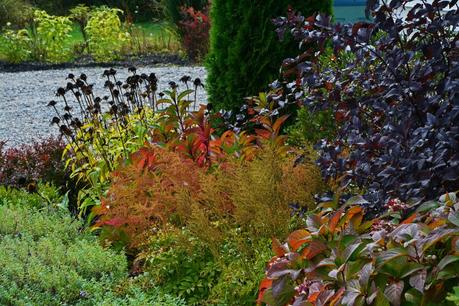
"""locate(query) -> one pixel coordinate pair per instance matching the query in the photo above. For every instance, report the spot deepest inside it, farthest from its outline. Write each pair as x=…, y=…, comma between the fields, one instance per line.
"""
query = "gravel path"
x=24, y=96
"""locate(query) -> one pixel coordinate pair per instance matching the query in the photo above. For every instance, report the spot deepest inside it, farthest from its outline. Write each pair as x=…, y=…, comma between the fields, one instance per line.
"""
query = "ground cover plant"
x=45, y=258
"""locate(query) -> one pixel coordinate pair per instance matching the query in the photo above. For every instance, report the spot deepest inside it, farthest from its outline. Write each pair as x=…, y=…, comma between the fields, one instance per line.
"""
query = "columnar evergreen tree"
x=245, y=51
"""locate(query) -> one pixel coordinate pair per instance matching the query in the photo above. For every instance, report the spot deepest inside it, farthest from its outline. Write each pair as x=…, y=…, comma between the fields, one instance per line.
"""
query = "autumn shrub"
x=194, y=30
x=407, y=257
x=394, y=103
x=142, y=196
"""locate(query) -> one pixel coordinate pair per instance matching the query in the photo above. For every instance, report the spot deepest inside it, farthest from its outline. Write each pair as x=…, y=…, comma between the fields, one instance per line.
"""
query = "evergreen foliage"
x=245, y=50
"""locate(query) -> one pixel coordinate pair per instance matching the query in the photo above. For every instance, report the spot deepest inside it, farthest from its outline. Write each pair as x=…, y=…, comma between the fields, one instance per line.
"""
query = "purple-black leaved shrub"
x=393, y=87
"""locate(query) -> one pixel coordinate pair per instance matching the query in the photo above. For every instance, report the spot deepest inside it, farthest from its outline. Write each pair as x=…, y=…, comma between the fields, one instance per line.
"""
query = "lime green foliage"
x=240, y=272
x=181, y=265
x=14, y=46
x=454, y=297
x=105, y=33
x=311, y=127
x=49, y=37
x=46, y=259
x=246, y=53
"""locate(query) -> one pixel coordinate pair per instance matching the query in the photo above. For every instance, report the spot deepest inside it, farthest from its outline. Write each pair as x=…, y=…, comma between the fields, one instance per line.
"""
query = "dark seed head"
x=197, y=82
x=71, y=76
x=52, y=103
x=60, y=91
x=55, y=120
x=83, y=77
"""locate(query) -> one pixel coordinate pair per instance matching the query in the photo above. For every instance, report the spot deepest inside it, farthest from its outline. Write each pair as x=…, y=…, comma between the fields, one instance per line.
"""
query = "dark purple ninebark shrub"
x=39, y=161
x=393, y=87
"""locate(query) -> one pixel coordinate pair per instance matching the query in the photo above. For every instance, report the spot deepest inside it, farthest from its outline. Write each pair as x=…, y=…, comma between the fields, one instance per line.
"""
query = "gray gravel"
x=24, y=96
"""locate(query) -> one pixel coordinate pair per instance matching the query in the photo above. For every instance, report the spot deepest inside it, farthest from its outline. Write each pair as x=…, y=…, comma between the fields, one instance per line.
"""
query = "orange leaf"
x=265, y=284
x=337, y=297
x=277, y=125
x=313, y=249
x=410, y=219
x=278, y=248
x=298, y=238
x=334, y=220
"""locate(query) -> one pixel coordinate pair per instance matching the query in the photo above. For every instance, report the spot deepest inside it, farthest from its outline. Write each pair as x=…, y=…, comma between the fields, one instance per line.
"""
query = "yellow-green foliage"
x=252, y=196
x=105, y=34
x=14, y=46
x=51, y=33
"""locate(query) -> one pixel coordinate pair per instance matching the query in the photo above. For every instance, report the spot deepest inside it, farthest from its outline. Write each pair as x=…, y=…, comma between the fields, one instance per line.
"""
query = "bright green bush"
x=246, y=53
x=50, y=34
x=46, y=259
x=105, y=34
x=14, y=46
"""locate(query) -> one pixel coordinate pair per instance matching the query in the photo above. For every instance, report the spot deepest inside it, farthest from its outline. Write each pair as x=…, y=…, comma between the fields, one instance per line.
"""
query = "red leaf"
x=298, y=238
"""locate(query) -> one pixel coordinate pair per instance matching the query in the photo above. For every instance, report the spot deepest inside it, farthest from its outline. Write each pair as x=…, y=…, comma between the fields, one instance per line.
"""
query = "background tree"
x=245, y=50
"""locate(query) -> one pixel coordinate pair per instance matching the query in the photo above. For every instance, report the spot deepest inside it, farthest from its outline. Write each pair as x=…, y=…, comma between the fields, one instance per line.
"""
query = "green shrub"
x=14, y=46
x=181, y=265
x=245, y=51
x=311, y=127
x=49, y=36
x=45, y=259
x=16, y=12
x=105, y=33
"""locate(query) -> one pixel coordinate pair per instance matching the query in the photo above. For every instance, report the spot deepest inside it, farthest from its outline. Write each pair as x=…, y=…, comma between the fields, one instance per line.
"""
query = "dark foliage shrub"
x=395, y=102
x=194, y=30
x=245, y=53
x=339, y=259
x=40, y=161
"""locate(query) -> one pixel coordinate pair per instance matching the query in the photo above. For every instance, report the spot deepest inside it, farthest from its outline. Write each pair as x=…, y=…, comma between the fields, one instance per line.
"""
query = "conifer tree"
x=246, y=53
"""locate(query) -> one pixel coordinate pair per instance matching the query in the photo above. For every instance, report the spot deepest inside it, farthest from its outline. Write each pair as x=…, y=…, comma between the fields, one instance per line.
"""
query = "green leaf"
x=391, y=254
x=185, y=93
x=446, y=261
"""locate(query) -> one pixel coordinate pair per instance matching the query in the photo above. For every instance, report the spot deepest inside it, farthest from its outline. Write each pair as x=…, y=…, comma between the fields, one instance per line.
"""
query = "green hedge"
x=246, y=53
